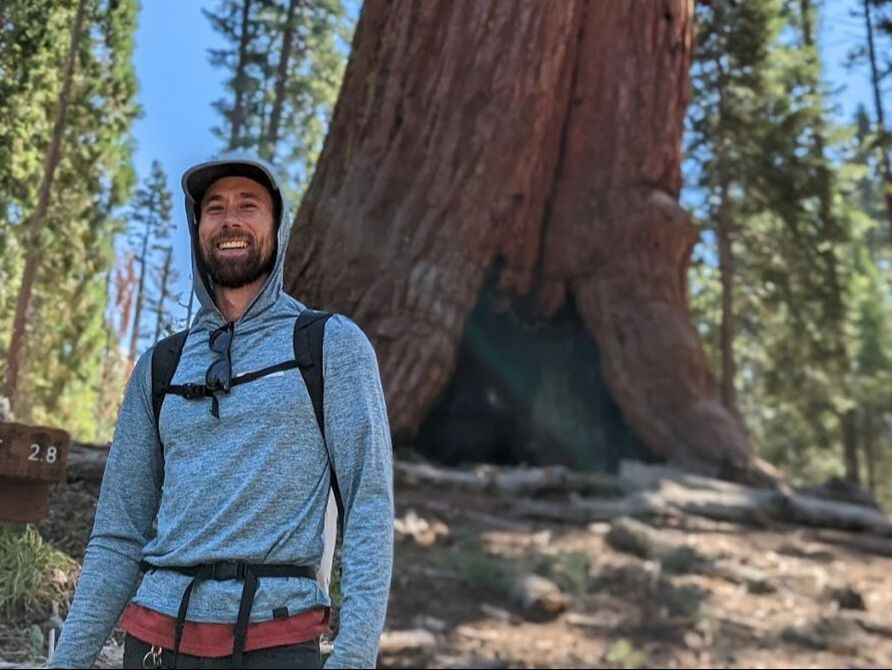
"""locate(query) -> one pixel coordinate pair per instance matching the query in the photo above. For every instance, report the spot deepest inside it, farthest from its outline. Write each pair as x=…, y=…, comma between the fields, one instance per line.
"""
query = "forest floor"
x=700, y=593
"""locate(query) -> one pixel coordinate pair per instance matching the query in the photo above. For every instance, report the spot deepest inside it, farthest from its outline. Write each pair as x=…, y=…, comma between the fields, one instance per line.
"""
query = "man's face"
x=237, y=232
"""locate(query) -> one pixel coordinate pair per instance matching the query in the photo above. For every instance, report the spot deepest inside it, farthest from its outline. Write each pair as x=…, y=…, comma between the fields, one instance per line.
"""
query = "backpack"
x=309, y=333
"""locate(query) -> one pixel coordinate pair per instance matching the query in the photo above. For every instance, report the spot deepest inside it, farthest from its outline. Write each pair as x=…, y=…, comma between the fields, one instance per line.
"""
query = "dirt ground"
x=795, y=597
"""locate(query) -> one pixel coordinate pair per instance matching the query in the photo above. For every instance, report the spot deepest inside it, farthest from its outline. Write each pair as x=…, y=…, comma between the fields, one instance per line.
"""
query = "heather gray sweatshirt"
x=250, y=486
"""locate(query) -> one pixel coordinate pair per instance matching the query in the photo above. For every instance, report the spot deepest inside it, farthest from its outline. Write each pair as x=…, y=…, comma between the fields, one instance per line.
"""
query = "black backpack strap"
x=165, y=358
x=309, y=334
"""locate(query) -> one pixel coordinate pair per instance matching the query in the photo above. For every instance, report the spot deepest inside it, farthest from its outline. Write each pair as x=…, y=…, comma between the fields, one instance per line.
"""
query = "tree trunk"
x=165, y=276
x=191, y=303
x=850, y=445
x=885, y=161
x=725, y=233
x=38, y=220
x=540, y=148
x=272, y=135
x=143, y=261
x=239, y=82
x=835, y=237
x=869, y=435
x=106, y=356
x=726, y=264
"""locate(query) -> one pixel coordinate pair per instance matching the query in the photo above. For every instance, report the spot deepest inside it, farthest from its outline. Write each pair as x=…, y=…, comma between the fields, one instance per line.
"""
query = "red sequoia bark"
x=543, y=140
x=620, y=242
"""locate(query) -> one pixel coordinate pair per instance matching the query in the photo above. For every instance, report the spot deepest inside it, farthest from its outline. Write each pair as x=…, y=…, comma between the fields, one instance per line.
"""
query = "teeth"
x=233, y=244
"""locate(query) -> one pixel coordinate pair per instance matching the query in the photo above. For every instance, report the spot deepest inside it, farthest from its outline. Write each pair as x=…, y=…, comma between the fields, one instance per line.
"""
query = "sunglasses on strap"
x=219, y=375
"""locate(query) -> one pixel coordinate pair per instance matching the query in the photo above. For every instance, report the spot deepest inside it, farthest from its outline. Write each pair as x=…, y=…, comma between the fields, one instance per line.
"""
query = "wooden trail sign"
x=31, y=459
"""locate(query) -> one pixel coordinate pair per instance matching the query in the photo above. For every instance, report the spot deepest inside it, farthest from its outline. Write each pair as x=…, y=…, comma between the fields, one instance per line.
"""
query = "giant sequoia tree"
x=494, y=174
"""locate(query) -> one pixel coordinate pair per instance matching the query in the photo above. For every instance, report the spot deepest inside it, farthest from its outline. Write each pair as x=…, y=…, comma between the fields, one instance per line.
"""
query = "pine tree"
x=234, y=20
x=271, y=136
x=164, y=275
x=800, y=291
x=92, y=179
x=120, y=290
x=286, y=62
x=315, y=71
x=728, y=80
x=874, y=13
x=871, y=320
x=38, y=219
x=836, y=237
x=152, y=224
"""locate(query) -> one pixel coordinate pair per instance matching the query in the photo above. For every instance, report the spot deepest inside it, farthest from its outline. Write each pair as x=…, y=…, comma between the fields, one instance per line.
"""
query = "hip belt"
x=249, y=573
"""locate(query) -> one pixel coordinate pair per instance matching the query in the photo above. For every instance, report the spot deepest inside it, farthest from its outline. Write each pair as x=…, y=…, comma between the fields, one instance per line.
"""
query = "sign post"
x=31, y=459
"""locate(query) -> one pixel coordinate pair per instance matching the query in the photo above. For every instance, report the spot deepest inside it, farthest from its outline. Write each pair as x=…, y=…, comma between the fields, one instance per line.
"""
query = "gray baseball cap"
x=198, y=179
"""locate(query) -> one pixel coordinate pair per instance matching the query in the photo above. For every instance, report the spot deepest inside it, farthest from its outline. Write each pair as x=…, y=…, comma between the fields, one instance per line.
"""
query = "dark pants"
x=303, y=655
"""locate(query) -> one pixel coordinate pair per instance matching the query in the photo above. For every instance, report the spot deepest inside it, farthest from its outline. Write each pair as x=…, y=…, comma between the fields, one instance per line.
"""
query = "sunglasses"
x=219, y=374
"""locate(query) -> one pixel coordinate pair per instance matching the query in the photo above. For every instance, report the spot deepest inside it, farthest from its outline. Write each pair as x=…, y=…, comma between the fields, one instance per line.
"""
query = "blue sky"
x=178, y=86
x=839, y=33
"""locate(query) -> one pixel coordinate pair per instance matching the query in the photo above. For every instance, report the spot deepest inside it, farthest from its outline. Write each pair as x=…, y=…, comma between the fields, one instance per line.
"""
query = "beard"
x=237, y=272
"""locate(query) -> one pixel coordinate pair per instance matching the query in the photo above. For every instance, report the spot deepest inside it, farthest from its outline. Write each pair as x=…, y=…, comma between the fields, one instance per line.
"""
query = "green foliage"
x=151, y=228
x=623, y=654
x=571, y=571
x=33, y=575
x=811, y=304
x=882, y=21
x=312, y=79
x=66, y=329
x=479, y=568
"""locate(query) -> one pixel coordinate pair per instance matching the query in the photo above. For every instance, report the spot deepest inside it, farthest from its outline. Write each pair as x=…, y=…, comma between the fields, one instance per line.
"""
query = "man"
x=223, y=505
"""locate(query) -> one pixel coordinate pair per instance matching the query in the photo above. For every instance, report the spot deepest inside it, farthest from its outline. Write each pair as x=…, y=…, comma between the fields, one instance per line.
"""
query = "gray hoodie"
x=250, y=486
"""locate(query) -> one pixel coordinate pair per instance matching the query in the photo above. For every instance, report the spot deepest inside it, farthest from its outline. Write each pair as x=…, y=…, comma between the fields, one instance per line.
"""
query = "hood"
x=209, y=314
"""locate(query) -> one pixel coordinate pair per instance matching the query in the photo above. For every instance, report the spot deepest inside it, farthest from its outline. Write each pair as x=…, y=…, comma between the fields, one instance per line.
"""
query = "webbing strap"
x=221, y=571
x=196, y=391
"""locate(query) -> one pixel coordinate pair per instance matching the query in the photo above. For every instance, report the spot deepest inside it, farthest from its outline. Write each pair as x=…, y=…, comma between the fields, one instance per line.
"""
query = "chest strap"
x=222, y=571
x=197, y=391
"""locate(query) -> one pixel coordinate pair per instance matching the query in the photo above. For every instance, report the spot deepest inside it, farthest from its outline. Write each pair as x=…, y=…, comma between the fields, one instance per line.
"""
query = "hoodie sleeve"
x=128, y=502
x=357, y=431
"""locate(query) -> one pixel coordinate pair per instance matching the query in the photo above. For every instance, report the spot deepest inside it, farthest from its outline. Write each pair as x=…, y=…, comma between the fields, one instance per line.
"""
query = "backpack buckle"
x=194, y=391
x=228, y=570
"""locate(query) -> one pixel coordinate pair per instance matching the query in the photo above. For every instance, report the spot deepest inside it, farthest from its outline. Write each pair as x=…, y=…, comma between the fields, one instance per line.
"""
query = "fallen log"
x=587, y=510
x=755, y=580
x=538, y=597
x=650, y=490
x=728, y=501
x=450, y=510
x=402, y=641
x=738, y=504
x=808, y=511
x=86, y=461
x=860, y=543
x=520, y=481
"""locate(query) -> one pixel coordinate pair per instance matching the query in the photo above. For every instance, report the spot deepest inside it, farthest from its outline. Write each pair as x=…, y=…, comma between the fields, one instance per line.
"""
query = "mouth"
x=232, y=245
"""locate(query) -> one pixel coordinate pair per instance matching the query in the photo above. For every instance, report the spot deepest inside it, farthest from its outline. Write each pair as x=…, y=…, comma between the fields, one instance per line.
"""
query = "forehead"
x=236, y=186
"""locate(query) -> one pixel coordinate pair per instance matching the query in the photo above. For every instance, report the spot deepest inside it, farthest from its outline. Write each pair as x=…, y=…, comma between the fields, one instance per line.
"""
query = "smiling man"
x=237, y=238
x=221, y=483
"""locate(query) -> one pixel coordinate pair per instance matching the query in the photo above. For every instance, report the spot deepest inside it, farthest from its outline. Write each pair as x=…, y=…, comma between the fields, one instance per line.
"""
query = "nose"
x=230, y=220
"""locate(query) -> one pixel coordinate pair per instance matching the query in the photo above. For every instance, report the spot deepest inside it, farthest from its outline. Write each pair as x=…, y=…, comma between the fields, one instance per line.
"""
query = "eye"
x=214, y=209
x=249, y=205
